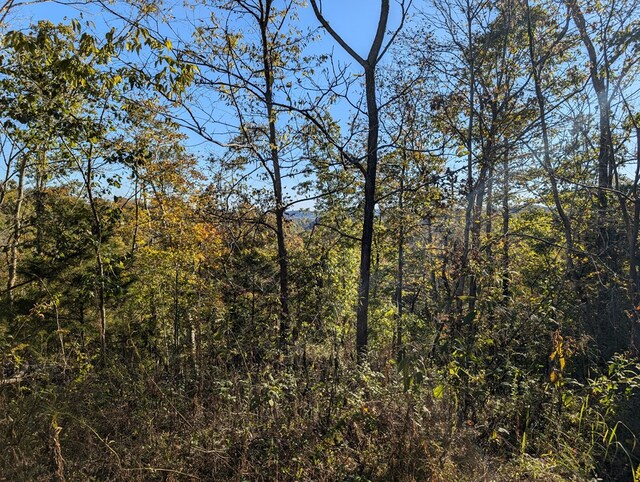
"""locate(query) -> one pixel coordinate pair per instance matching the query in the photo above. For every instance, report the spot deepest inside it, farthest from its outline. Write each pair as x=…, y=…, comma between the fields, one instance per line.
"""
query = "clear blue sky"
x=354, y=20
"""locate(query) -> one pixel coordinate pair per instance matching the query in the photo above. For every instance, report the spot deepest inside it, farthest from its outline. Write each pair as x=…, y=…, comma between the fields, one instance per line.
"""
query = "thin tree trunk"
x=400, y=272
x=195, y=349
x=136, y=206
x=506, y=276
x=16, y=235
x=97, y=232
x=101, y=303
x=7, y=177
x=176, y=317
x=435, y=295
x=283, y=256
x=489, y=209
x=39, y=211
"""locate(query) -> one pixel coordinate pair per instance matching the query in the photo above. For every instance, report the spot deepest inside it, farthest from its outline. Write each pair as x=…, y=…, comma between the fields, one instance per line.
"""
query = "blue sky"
x=355, y=20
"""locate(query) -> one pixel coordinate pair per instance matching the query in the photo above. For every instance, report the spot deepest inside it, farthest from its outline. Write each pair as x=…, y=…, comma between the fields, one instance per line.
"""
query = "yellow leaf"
x=438, y=391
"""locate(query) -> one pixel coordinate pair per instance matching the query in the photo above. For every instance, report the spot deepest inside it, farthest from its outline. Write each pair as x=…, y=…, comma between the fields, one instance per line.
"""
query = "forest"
x=307, y=240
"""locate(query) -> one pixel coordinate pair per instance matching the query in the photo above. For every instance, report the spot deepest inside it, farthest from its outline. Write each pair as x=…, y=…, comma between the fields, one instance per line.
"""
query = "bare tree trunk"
x=97, y=232
x=7, y=176
x=176, y=319
x=39, y=209
x=194, y=336
x=506, y=275
x=102, y=310
x=400, y=272
x=136, y=206
x=362, y=329
x=489, y=209
x=435, y=294
x=16, y=235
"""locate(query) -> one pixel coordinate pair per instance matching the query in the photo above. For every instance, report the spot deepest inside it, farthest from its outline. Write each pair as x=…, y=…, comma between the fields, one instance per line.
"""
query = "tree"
x=369, y=169
x=540, y=55
x=68, y=115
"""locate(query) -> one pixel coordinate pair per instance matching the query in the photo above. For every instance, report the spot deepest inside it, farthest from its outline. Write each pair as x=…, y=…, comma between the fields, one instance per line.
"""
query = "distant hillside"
x=304, y=218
